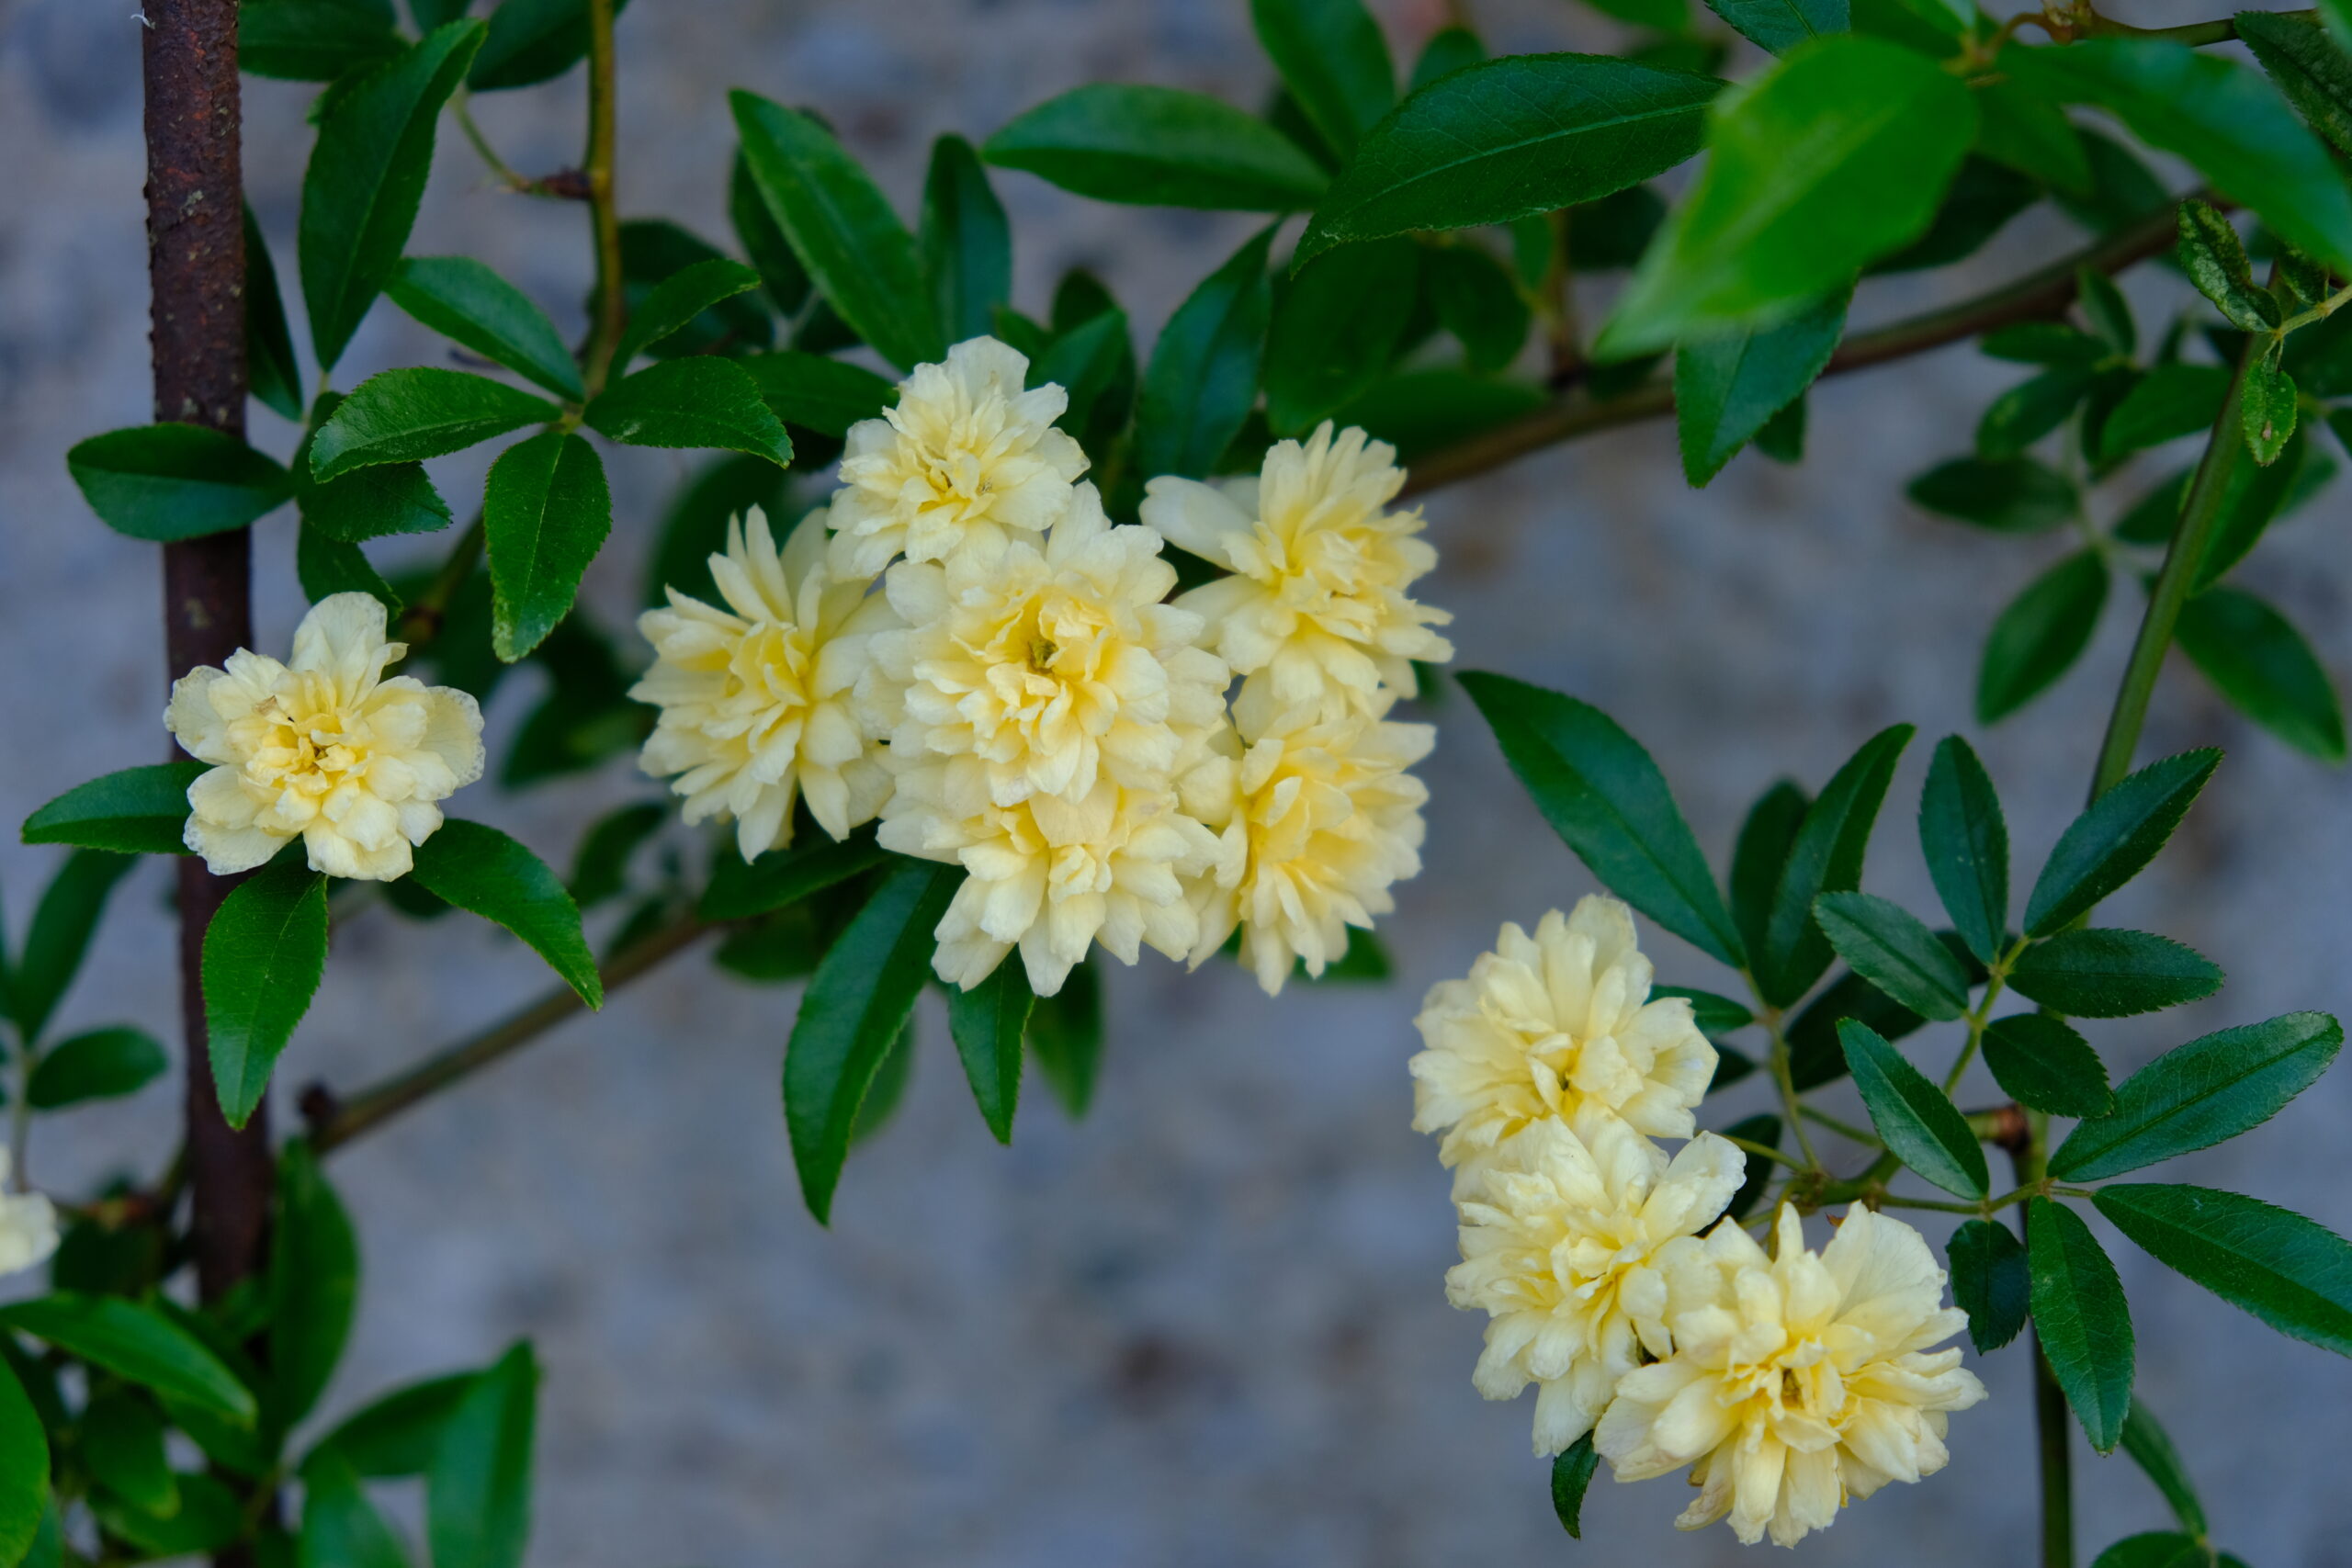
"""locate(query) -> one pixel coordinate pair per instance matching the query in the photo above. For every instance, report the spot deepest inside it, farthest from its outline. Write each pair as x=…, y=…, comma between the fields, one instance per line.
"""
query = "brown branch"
x=335, y=1121
x=2038, y=295
x=196, y=263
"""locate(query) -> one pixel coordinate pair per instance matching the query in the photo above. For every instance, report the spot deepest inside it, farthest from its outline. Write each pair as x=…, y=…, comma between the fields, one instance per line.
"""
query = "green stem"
x=1764, y=1151
x=2190, y=33
x=1843, y=1129
x=1980, y=1015
x=605, y=331
x=1776, y=1060
x=421, y=622
x=2192, y=535
x=2051, y=1420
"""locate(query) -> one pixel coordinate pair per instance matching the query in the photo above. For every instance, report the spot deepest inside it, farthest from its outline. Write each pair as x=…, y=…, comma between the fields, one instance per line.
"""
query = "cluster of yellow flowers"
x=1788, y=1382
x=1020, y=698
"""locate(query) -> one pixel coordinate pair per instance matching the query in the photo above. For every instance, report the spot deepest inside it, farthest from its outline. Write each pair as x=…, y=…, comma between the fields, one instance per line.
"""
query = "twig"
x=335, y=1121
x=2042, y=293
x=605, y=331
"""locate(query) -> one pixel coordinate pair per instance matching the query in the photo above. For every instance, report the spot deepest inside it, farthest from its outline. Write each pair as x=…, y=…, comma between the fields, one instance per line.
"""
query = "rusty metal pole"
x=195, y=263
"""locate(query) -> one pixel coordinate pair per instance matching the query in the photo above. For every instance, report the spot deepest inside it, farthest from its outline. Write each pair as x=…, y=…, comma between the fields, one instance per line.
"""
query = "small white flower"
x=1797, y=1381
x=28, y=1224
x=323, y=747
x=1546, y=1023
x=1315, y=611
x=1561, y=1237
x=756, y=699
x=966, y=454
x=1319, y=820
x=1052, y=664
x=1051, y=875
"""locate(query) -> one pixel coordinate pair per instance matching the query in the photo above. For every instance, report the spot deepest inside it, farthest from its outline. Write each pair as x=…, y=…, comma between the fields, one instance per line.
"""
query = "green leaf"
x=1333, y=60
x=2308, y=67
x=138, y=1344
x=2168, y=402
x=367, y=177
x=263, y=955
x=741, y=892
x=341, y=1529
x=1824, y=857
x=654, y=253
x=1780, y=25
x=1766, y=836
x=546, y=512
x=1889, y=947
x=26, y=1509
x=2152, y=1452
x=367, y=503
x=1713, y=1014
x=1423, y=410
x=210, y=1518
x=2040, y=636
x=1606, y=798
x=841, y=228
x=2006, y=495
x=2215, y=259
x=140, y=811
x=1336, y=328
x=692, y=402
x=1572, y=1471
x=478, y=1492
x=2023, y=130
x=532, y=41
x=2115, y=838
x=2257, y=660
x=2043, y=343
x=1476, y=301
x=1725, y=387
x=853, y=1009
x=671, y=305
x=2156, y=1549
x=398, y=1434
x=988, y=1022
x=1449, y=50
x=1509, y=138
x=2104, y=972
x=2081, y=1319
x=1065, y=1033
x=966, y=243
x=1094, y=362
x=275, y=374
x=1919, y=1122
x=600, y=866
x=420, y=411
x=1158, y=147
x=2200, y=1094
x=122, y=1442
x=1834, y=158
x=60, y=936
x=1966, y=841
x=1991, y=1281
x=479, y=868
x=313, y=1285
x=103, y=1063
x=1203, y=379
x=468, y=304
x=2031, y=409
x=762, y=240
x=2217, y=114
x=312, y=40
x=2041, y=1062
x=2291, y=1272
x=166, y=482
x=2254, y=497
x=326, y=566
x=1978, y=204
x=2266, y=409
x=816, y=393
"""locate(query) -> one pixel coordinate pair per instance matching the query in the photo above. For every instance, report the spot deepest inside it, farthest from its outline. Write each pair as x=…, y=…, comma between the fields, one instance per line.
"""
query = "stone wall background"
x=1205, y=1327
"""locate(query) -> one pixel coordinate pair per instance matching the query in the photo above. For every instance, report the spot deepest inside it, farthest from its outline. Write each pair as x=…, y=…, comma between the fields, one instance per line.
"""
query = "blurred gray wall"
x=1205, y=1327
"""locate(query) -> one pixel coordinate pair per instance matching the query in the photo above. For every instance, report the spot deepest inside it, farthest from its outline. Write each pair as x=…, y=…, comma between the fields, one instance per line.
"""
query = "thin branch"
x=2039, y=295
x=605, y=331
x=2190, y=33
x=335, y=1122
